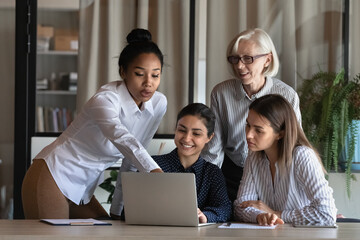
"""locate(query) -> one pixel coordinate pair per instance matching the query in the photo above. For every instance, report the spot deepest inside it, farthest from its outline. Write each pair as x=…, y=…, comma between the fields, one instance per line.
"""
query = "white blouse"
x=302, y=194
x=109, y=127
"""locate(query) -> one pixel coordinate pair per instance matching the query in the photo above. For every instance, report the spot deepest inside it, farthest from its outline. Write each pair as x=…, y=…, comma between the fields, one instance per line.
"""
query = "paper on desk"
x=77, y=222
x=246, y=226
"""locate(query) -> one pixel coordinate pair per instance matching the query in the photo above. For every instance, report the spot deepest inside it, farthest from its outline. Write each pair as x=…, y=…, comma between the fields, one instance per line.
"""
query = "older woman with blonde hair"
x=254, y=64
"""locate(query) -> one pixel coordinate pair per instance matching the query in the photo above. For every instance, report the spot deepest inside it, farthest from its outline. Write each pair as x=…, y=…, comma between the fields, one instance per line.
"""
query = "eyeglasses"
x=245, y=59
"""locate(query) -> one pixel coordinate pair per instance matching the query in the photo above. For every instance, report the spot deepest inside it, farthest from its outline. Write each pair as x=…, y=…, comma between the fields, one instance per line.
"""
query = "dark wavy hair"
x=139, y=42
x=203, y=112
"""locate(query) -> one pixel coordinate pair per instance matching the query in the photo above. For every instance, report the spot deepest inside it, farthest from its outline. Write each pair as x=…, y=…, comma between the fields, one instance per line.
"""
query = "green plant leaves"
x=327, y=116
x=108, y=186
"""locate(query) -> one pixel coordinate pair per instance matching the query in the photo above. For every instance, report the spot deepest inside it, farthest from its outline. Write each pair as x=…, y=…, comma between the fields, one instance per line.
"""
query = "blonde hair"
x=265, y=44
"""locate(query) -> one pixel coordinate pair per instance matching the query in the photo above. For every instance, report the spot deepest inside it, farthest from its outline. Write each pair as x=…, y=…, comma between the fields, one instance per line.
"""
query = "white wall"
x=349, y=207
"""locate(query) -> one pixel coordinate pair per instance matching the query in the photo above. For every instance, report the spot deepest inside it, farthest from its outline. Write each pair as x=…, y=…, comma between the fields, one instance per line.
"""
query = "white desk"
x=33, y=229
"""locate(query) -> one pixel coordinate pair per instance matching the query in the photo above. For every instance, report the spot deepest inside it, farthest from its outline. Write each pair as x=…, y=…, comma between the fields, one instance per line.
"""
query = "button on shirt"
x=109, y=127
x=230, y=104
x=212, y=196
x=302, y=193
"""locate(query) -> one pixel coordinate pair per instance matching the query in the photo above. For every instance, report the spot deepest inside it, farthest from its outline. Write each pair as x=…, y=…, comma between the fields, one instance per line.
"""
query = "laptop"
x=160, y=199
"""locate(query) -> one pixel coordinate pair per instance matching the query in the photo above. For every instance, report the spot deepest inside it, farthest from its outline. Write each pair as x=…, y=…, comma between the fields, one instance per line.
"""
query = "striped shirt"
x=302, y=193
x=230, y=103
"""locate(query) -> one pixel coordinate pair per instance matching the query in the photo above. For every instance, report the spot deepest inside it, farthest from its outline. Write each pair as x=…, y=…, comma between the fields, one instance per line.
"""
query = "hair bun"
x=138, y=35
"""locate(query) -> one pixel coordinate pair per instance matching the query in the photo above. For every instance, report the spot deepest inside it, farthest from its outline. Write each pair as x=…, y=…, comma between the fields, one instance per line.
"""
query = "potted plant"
x=108, y=184
x=327, y=103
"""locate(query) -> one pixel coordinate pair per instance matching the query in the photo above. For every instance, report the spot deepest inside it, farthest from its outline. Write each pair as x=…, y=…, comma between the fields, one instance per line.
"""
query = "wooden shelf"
x=58, y=53
x=55, y=92
x=66, y=5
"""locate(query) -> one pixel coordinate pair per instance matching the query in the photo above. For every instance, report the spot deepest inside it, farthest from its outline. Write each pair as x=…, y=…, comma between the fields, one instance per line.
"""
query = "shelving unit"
x=57, y=53
x=56, y=61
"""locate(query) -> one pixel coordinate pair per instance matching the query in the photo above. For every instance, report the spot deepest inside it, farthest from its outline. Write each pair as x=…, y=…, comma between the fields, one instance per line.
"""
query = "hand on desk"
x=201, y=216
x=271, y=217
x=156, y=170
x=258, y=205
x=265, y=219
x=261, y=206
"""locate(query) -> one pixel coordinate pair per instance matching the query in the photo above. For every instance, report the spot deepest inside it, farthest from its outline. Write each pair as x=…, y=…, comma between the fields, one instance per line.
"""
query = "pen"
x=81, y=223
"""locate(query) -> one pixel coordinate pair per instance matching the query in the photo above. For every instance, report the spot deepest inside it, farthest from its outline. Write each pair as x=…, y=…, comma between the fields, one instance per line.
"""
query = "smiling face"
x=142, y=77
x=260, y=136
x=251, y=74
x=191, y=135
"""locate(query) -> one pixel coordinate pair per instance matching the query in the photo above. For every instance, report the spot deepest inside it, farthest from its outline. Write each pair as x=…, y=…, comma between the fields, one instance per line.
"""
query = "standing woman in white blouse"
x=117, y=122
x=283, y=177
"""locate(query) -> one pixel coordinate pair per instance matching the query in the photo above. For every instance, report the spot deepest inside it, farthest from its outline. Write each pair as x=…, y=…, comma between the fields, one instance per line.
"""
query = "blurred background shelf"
x=56, y=63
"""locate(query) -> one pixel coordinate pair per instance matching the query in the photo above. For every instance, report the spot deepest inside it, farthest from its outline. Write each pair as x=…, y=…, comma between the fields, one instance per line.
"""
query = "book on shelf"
x=53, y=119
x=46, y=119
x=64, y=120
x=40, y=119
x=50, y=120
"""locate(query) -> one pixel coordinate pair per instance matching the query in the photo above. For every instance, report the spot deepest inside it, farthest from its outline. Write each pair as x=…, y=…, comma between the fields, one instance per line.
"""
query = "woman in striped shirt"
x=283, y=177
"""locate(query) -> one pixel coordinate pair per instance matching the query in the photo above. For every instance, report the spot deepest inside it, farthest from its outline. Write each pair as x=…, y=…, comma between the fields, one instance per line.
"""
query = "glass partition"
x=7, y=91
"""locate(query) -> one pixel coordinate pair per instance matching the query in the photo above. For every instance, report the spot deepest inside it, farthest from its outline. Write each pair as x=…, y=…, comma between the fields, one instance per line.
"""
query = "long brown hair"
x=278, y=111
